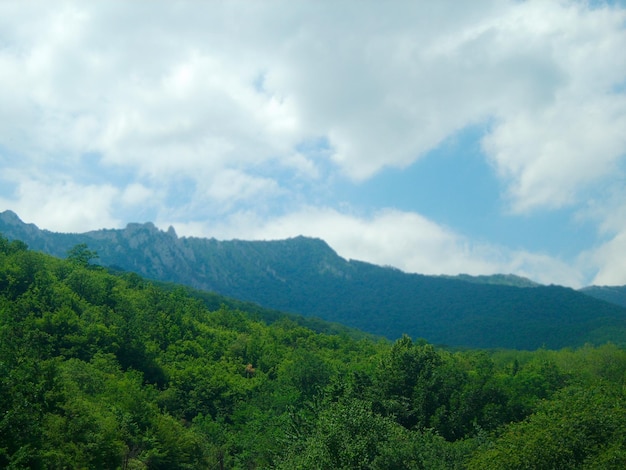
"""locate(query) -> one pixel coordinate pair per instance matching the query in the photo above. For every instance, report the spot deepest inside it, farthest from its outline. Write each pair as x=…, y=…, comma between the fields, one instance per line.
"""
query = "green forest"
x=108, y=370
x=306, y=276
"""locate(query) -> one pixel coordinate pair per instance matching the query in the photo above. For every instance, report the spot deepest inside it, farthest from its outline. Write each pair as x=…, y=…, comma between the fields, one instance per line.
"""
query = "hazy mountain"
x=614, y=294
x=501, y=279
x=304, y=275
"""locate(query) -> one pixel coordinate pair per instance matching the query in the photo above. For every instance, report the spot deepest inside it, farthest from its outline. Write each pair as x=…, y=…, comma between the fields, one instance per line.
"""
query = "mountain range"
x=306, y=276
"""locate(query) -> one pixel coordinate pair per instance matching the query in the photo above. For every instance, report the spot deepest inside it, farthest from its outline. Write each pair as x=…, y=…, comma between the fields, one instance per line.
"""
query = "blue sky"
x=456, y=186
x=438, y=137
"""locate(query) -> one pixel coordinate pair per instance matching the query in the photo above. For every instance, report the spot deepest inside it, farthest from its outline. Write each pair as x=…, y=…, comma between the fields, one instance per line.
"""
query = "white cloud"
x=135, y=194
x=179, y=91
x=575, y=138
x=221, y=93
x=64, y=206
x=232, y=186
x=56, y=203
x=606, y=260
x=609, y=258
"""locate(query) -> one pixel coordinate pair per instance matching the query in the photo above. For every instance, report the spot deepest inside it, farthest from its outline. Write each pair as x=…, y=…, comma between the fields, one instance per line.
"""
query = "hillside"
x=305, y=276
x=499, y=279
x=613, y=294
x=103, y=370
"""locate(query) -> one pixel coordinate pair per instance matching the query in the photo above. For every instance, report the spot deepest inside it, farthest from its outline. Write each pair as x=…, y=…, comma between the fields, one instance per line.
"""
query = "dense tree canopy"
x=101, y=370
x=306, y=276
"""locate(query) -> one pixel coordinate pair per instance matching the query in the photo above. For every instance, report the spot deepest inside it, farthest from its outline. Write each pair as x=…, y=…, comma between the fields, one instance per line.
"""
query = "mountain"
x=501, y=279
x=304, y=275
x=107, y=370
x=613, y=294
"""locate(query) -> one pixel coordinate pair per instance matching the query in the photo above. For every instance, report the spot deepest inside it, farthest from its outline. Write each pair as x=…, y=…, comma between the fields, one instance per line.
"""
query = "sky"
x=438, y=137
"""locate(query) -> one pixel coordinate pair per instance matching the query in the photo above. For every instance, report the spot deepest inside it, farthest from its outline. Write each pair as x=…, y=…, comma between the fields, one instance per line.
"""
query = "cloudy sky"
x=435, y=136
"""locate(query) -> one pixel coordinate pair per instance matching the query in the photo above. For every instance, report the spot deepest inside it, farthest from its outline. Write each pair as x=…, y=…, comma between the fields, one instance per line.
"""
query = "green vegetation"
x=498, y=279
x=103, y=370
x=613, y=294
x=305, y=276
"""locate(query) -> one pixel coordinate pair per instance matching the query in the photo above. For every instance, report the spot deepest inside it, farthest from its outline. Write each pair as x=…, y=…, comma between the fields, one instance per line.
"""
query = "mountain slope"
x=500, y=279
x=306, y=276
x=613, y=294
x=108, y=370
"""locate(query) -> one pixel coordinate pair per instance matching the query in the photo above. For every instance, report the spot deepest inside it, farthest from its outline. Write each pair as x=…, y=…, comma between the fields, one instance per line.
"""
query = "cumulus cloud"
x=65, y=206
x=135, y=194
x=605, y=260
x=60, y=204
x=172, y=93
x=555, y=147
x=231, y=185
x=609, y=257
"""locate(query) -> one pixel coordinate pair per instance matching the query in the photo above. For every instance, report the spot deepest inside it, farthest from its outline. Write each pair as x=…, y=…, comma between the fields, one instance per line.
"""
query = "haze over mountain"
x=304, y=275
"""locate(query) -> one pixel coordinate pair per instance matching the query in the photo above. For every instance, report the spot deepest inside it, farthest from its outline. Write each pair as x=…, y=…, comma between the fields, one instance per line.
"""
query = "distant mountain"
x=613, y=294
x=305, y=276
x=501, y=279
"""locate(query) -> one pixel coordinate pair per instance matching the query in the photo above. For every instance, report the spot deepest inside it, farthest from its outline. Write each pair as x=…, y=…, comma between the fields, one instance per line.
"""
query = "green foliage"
x=578, y=428
x=101, y=370
x=81, y=254
x=613, y=294
x=347, y=435
x=306, y=276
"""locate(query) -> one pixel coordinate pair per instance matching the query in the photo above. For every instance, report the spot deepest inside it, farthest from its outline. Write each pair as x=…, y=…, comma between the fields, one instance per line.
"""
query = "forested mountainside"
x=499, y=279
x=102, y=370
x=613, y=294
x=303, y=275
